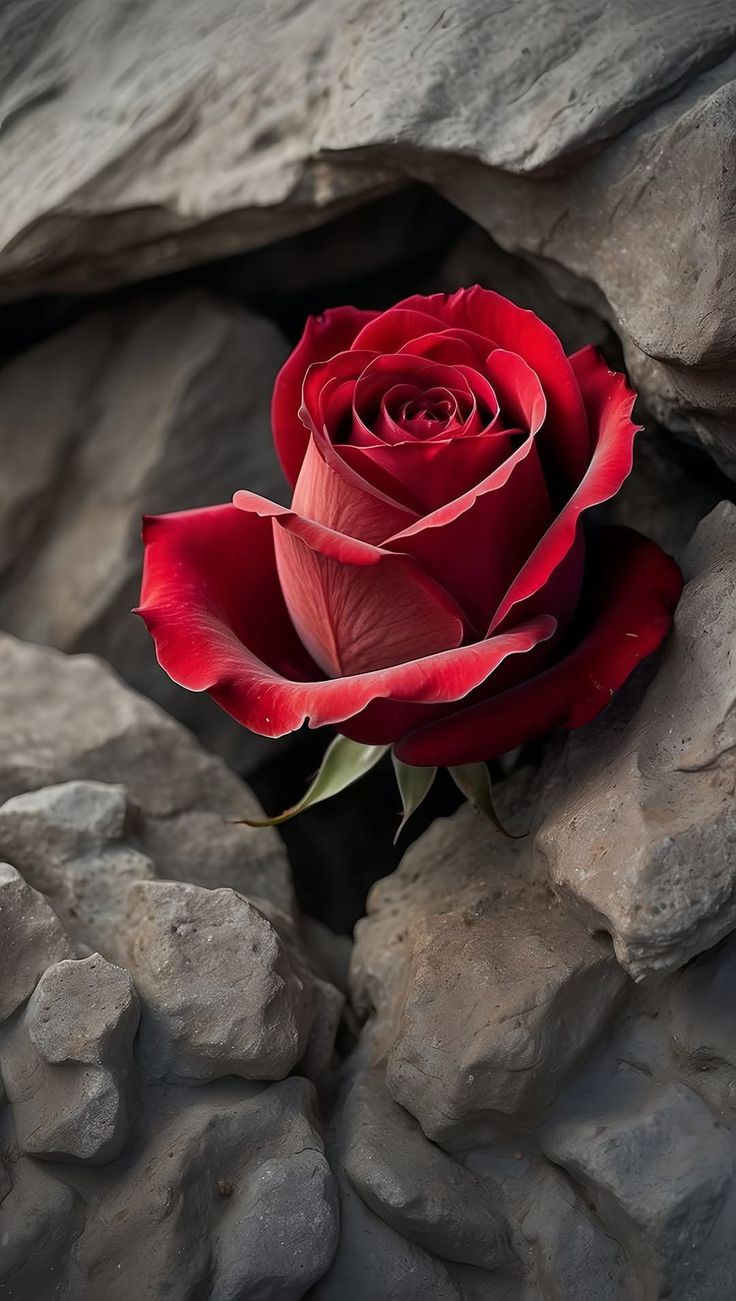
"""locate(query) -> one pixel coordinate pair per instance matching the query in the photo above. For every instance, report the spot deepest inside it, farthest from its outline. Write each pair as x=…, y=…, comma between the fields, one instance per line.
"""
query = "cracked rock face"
x=148, y=1139
x=640, y=829
x=590, y=125
x=147, y=407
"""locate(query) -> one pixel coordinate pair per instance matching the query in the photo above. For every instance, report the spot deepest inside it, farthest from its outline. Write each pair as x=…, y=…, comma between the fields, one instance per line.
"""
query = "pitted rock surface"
x=68, y=1064
x=219, y=988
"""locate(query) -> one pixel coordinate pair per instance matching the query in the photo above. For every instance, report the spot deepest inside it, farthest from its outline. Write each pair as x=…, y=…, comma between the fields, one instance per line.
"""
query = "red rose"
x=433, y=583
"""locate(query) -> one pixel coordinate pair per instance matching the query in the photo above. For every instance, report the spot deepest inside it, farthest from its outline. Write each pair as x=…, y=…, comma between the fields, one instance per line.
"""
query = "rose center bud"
x=435, y=412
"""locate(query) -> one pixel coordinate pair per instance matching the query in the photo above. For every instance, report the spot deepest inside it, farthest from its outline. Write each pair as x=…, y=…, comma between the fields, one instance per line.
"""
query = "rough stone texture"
x=413, y=1185
x=571, y=133
x=32, y=938
x=68, y=1064
x=640, y=829
x=220, y=991
x=464, y=922
x=68, y=718
x=144, y=408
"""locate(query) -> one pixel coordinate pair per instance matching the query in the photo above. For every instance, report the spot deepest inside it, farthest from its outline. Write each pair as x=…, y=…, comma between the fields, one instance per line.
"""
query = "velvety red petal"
x=327, y=394
x=389, y=330
x=609, y=402
x=212, y=602
x=355, y=606
x=476, y=544
x=635, y=588
x=566, y=442
x=340, y=501
x=425, y=475
x=333, y=331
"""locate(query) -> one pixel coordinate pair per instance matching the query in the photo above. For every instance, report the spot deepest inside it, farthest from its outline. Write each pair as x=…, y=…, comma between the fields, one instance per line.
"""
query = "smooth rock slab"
x=144, y=408
x=220, y=992
x=640, y=834
x=31, y=938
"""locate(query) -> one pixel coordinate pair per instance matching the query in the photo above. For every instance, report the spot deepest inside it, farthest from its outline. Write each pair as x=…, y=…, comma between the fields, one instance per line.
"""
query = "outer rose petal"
x=609, y=402
x=356, y=607
x=212, y=602
x=426, y=475
x=333, y=331
x=636, y=588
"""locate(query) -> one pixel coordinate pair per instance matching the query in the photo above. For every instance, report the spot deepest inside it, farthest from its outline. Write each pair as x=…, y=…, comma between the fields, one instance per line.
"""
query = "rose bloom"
x=435, y=582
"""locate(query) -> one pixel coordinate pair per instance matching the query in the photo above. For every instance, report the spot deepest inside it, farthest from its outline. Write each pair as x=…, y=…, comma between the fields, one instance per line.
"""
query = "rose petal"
x=608, y=402
x=636, y=588
x=333, y=331
x=566, y=444
x=355, y=606
x=212, y=602
x=425, y=475
x=342, y=502
x=476, y=544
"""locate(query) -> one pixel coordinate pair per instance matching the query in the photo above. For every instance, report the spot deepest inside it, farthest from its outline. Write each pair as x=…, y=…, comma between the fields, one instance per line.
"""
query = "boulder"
x=145, y=407
x=32, y=938
x=639, y=831
x=127, y=155
x=70, y=719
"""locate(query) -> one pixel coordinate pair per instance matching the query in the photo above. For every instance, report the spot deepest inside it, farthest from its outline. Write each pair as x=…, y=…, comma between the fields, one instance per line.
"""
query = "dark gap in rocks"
x=340, y=848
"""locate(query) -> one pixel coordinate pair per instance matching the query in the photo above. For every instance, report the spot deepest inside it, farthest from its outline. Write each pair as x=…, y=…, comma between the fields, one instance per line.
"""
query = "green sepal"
x=474, y=780
x=413, y=784
x=343, y=763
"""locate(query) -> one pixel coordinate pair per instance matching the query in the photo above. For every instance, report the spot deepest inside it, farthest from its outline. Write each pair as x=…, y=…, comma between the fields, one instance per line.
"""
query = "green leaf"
x=413, y=784
x=343, y=763
x=474, y=780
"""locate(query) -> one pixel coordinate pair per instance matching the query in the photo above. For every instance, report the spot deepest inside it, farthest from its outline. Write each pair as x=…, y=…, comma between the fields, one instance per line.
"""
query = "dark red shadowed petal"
x=333, y=331
x=355, y=606
x=609, y=402
x=327, y=394
x=566, y=442
x=426, y=475
x=635, y=587
x=212, y=602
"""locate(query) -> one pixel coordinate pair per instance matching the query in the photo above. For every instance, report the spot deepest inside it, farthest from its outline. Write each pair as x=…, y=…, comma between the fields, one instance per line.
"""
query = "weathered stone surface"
x=69, y=843
x=654, y=1157
x=229, y=1194
x=143, y=409
x=219, y=989
x=640, y=832
x=40, y=1216
x=68, y=1064
x=68, y=718
x=701, y=1001
x=31, y=938
x=589, y=126
x=464, y=922
x=413, y=1185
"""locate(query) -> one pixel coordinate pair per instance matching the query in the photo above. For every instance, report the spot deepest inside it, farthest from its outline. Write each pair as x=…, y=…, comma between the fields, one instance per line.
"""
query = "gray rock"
x=68, y=1064
x=701, y=1002
x=220, y=991
x=31, y=939
x=40, y=1215
x=655, y=1157
x=68, y=718
x=464, y=923
x=413, y=1185
x=229, y=1195
x=172, y=400
x=68, y=842
x=640, y=831
x=586, y=119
